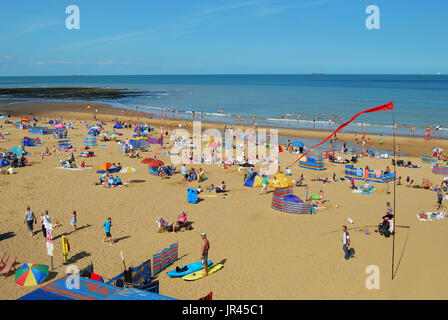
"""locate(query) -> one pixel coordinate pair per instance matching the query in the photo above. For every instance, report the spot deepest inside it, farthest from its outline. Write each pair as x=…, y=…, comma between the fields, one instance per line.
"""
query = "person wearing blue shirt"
x=118, y=181
x=107, y=226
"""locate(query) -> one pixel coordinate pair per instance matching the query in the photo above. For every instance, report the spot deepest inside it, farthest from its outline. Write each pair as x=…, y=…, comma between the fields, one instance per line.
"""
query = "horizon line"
x=225, y=74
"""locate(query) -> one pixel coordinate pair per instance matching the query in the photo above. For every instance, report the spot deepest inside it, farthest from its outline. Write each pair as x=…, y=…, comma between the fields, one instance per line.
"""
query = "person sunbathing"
x=211, y=188
x=366, y=186
x=164, y=225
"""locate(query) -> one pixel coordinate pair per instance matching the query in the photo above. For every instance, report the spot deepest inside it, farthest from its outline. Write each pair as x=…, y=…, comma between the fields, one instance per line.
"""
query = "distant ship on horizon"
x=318, y=73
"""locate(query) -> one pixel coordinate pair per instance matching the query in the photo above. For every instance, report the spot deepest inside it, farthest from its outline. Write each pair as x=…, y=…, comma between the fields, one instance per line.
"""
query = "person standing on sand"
x=107, y=226
x=439, y=198
x=346, y=243
x=204, y=252
x=73, y=220
x=30, y=218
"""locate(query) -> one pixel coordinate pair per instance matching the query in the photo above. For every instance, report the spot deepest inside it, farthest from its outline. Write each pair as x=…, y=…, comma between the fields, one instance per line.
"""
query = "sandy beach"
x=266, y=254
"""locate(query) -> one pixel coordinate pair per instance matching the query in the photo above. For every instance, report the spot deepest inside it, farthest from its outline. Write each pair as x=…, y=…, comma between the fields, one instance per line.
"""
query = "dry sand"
x=267, y=254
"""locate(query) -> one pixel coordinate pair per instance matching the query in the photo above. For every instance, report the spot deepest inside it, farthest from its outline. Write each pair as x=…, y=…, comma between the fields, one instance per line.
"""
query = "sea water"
x=288, y=101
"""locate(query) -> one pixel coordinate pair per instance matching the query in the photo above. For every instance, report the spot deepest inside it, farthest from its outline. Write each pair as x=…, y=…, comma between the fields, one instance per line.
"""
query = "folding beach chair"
x=8, y=266
x=207, y=297
x=2, y=255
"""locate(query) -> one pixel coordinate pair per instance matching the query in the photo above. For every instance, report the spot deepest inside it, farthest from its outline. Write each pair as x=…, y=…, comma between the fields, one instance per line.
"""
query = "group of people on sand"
x=193, y=174
x=166, y=171
x=107, y=180
x=45, y=219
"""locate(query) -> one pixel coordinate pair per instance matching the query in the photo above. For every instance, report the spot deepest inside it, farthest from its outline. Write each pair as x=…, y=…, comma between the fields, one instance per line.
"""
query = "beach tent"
x=281, y=181
x=298, y=144
x=118, y=126
x=4, y=163
x=28, y=142
x=93, y=132
x=138, y=143
x=104, y=167
x=253, y=180
x=17, y=151
x=284, y=200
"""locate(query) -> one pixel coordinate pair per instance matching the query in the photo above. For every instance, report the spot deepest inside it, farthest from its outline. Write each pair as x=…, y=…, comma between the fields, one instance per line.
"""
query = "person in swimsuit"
x=204, y=252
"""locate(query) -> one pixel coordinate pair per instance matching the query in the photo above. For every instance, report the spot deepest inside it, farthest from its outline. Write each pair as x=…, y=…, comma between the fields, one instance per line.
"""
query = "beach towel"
x=422, y=219
x=85, y=168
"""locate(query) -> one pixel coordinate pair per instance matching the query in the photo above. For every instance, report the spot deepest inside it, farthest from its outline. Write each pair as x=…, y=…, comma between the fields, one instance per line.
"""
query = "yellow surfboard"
x=200, y=274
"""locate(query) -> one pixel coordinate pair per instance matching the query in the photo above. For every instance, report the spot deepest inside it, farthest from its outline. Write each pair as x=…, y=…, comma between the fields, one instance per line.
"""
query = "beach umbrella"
x=437, y=149
x=152, y=162
x=31, y=274
x=128, y=170
x=298, y=144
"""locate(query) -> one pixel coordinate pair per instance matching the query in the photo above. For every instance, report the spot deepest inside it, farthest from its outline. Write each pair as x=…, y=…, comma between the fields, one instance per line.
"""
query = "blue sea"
x=290, y=101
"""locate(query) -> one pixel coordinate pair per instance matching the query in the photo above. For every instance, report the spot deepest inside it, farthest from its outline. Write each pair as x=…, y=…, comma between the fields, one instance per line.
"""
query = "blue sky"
x=222, y=36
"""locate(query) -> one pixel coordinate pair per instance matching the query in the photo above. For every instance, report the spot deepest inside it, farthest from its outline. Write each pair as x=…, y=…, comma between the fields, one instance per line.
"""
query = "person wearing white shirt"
x=346, y=242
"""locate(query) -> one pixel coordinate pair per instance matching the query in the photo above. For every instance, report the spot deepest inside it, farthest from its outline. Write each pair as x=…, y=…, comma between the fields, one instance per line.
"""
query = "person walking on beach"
x=346, y=243
x=439, y=198
x=30, y=218
x=73, y=220
x=204, y=252
x=428, y=134
x=389, y=209
x=107, y=226
x=44, y=220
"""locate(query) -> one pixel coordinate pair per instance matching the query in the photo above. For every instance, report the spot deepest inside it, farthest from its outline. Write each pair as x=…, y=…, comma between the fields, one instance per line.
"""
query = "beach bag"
x=351, y=252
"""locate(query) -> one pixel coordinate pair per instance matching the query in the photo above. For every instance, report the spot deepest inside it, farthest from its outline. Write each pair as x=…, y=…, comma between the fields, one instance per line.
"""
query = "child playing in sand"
x=107, y=225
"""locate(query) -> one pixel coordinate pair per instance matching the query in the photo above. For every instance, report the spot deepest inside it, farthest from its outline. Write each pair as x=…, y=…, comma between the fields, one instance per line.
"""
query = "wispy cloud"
x=41, y=25
x=275, y=9
x=117, y=37
x=228, y=7
x=73, y=62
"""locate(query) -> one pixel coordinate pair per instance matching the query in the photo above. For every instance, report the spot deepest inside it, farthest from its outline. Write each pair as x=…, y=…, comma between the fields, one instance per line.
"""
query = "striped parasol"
x=31, y=274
